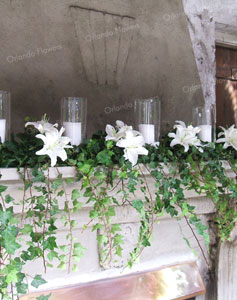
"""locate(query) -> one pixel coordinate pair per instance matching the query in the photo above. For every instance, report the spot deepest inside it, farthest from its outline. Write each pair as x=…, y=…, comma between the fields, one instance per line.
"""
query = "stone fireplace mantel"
x=168, y=246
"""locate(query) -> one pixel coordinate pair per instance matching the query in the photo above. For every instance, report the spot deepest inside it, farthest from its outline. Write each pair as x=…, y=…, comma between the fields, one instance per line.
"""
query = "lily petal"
x=131, y=155
x=119, y=123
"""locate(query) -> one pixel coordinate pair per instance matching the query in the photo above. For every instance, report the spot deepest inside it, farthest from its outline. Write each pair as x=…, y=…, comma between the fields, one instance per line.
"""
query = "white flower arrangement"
x=54, y=143
x=125, y=137
x=185, y=136
x=230, y=137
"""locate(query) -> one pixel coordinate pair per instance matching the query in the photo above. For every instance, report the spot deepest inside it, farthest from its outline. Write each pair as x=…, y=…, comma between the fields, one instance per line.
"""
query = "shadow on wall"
x=108, y=52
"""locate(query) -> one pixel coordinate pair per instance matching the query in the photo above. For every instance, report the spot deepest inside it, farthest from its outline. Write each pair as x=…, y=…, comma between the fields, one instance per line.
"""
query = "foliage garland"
x=103, y=176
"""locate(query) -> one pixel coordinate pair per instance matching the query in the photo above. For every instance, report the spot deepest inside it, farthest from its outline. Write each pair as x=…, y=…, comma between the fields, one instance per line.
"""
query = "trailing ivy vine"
x=28, y=226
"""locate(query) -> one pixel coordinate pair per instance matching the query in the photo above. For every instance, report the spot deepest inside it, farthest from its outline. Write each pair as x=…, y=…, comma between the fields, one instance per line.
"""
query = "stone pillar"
x=202, y=33
x=227, y=269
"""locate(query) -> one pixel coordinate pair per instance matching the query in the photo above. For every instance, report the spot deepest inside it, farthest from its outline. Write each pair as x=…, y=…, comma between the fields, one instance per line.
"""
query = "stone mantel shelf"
x=12, y=178
x=12, y=174
x=125, y=214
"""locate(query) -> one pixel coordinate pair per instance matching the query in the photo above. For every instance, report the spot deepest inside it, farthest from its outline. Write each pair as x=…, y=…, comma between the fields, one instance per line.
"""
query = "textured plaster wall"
x=205, y=19
x=109, y=51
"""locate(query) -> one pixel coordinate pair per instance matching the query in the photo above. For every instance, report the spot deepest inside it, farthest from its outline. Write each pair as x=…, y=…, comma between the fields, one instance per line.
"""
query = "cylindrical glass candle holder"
x=205, y=119
x=5, y=108
x=73, y=116
x=147, y=118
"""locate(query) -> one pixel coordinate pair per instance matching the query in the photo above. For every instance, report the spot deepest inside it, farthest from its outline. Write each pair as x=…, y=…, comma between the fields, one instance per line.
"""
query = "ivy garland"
x=103, y=177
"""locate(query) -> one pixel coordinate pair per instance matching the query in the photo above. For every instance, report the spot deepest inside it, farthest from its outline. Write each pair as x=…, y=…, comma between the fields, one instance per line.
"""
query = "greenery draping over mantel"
x=106, y=180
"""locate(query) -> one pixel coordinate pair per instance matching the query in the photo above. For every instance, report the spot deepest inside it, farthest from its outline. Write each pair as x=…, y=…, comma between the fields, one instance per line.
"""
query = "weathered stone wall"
x=109, y=51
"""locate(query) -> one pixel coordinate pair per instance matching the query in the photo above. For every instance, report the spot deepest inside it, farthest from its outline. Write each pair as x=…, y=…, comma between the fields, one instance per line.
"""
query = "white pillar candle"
x=73, y=131
x=2, y=130
x=205, y=133
x=148, y=132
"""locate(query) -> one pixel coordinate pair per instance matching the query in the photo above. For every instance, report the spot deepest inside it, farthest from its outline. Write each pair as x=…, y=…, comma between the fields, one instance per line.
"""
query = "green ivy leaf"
x=118, y=240
x=75, y=194
x=37, y=281
x=97, y=227
x=119, y=251
x=138, y=205
x=70, y=180
x=78, y=252
x=88, y=192
x=85, y=168
x=27, y=229
x=44, y=297
x=73, y=223
x=115, y=228
x=5, y=216
x=12, y=276
x=51, y=255
x=3, y=188
x=146, y=242
x=38, y=175
x=50, y=243
x=104, y=157
x=102, y=239
x=110, y=212
x=21, y=288
x=9, y=239
x=100, y=175
x=75, y=268
x=62, y=266
x=109, y=144
x=8, y=199
x=64, y=248
x=57, y=183
x=93, y=214
x=60, y=193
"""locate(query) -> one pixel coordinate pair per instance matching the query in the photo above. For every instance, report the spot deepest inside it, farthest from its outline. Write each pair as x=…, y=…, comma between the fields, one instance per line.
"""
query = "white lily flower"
x=185, y=136
x=133, y=145
x=42, y=126
x=122, y=131
x=54, y=145
x=122, y=128
x=192, y=130
x=111, y=133
x=127, y=138
x=230, y=137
